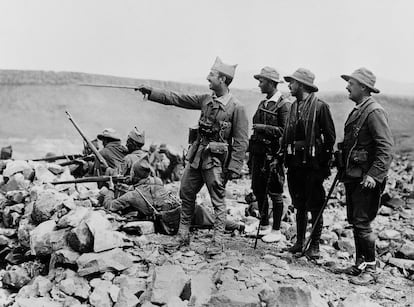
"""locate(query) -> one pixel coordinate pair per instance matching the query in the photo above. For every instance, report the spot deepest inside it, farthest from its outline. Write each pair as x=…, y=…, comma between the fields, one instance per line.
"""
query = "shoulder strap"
x=363, y=115
x=147, y=201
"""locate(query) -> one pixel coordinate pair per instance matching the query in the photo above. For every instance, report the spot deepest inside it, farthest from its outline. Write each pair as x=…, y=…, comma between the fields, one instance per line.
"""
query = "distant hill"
x=32, y=116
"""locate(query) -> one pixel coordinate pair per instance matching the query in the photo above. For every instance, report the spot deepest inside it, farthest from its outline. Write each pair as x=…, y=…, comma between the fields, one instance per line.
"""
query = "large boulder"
x=202, y=287
x=357, y=300
x=112, y=260
x=36, y=301
x=45, y=239
x=47, y=203
x=80, y=238
x=73, y=218
x=18, y=166
x=16, y=277
x=237, y=298
x=292, y=296
x=169, y=280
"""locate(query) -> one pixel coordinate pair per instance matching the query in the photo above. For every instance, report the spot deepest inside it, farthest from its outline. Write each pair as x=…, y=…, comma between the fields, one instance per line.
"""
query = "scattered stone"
x=236, y=298
x=16, y=277
x=80, y=238
x=126, y=298
x=43, y=175
x=139, y=227
x=36, y=301
x=202, y=287
x=406, y=251
x=47, y=203
x=386, y=211
x=357, y=300
x=291, y=296
x=169, y=280
x=175, y=301
x=405, y=264
x=18, y=166
x=389, y=234
x=44, y=239
x=394, y=203
x=345, y=244
x=73, y=218
x=112, y=260
x=75, y=286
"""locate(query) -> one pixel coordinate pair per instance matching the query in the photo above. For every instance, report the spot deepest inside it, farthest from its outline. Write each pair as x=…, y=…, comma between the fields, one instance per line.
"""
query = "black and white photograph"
x=192, y=153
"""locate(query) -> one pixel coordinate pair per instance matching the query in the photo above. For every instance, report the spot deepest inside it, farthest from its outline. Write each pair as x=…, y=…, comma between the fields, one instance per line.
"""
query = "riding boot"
x=301, y=223
x=313, y=250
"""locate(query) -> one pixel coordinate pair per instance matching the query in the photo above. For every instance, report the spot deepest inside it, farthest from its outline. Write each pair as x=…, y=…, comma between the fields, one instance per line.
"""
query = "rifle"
x=308, y=241
x=77, y=161
x=109, y=85
x=115, y=179
x=54, y=158
x=91, y=146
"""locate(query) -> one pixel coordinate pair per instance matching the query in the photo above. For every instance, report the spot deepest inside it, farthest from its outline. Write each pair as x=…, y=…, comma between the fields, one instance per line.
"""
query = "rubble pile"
x=58, y=247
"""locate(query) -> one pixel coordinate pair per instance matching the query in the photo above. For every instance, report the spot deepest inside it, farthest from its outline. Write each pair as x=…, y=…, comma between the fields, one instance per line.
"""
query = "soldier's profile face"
x=213, y=79
x=264, y=85
x=355, y=90
x=294, y=87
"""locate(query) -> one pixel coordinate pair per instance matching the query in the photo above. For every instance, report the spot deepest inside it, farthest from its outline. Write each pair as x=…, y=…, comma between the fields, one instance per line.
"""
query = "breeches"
x=191, y=183
x=306, y=189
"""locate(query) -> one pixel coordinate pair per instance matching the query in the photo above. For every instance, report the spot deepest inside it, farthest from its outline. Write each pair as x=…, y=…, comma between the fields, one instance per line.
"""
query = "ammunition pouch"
x=259, y=144
x=358, y=159
x=218, y=150
x=192, y=134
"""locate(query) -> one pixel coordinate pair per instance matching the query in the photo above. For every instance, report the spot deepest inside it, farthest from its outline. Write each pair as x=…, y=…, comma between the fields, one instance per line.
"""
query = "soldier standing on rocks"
x=216, y=155
x=367, y=151
x=307, y=145
x=267, y=171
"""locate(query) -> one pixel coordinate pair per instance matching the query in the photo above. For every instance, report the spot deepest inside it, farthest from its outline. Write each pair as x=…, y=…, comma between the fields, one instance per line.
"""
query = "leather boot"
x=301, y=222
x=313, y=250
x=181, y=240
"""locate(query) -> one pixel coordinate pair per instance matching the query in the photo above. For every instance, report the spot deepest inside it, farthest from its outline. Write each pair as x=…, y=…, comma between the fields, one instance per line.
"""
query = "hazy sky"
x=178, y=40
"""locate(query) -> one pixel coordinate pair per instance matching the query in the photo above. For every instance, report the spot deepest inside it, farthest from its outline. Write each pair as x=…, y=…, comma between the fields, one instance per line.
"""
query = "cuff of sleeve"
x=156, y=95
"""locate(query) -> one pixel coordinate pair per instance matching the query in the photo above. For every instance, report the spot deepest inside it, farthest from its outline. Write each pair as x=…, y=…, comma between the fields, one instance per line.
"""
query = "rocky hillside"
x=32, y=116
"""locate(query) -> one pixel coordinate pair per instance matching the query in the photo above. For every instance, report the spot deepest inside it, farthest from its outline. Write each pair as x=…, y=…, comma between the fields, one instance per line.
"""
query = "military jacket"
x=373, y=138
x=228, y=125
x=272, y=114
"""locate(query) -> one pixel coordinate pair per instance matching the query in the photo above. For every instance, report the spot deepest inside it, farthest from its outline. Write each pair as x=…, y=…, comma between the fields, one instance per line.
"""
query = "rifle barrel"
x=54, y=158
x=92, y=179
x=91, y=146
x=109, y=85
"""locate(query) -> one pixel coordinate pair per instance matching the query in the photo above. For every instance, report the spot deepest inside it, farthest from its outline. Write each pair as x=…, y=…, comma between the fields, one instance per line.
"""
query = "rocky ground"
x=58, y=247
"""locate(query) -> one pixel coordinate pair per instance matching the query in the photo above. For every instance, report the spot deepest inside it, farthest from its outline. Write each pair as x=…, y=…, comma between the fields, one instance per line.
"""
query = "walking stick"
x=305, y=247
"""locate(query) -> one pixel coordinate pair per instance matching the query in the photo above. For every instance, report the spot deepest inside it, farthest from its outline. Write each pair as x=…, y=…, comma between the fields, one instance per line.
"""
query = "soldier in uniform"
x=367, y=151
x=216, y=155
x=113, y=152
x=267, y=172
x=308, y=141
x=135, y=142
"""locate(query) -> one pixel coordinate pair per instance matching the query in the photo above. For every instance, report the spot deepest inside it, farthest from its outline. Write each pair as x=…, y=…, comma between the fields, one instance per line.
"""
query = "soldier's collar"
x=223, y=99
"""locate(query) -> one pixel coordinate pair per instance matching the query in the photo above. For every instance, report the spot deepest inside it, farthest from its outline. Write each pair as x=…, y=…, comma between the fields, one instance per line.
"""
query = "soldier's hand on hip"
x=145, y=90
x=368, y=182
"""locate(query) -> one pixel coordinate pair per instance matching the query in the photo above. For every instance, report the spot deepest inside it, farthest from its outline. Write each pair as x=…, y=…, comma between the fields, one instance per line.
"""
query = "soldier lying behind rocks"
x=153, y=190
x=151, y=187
